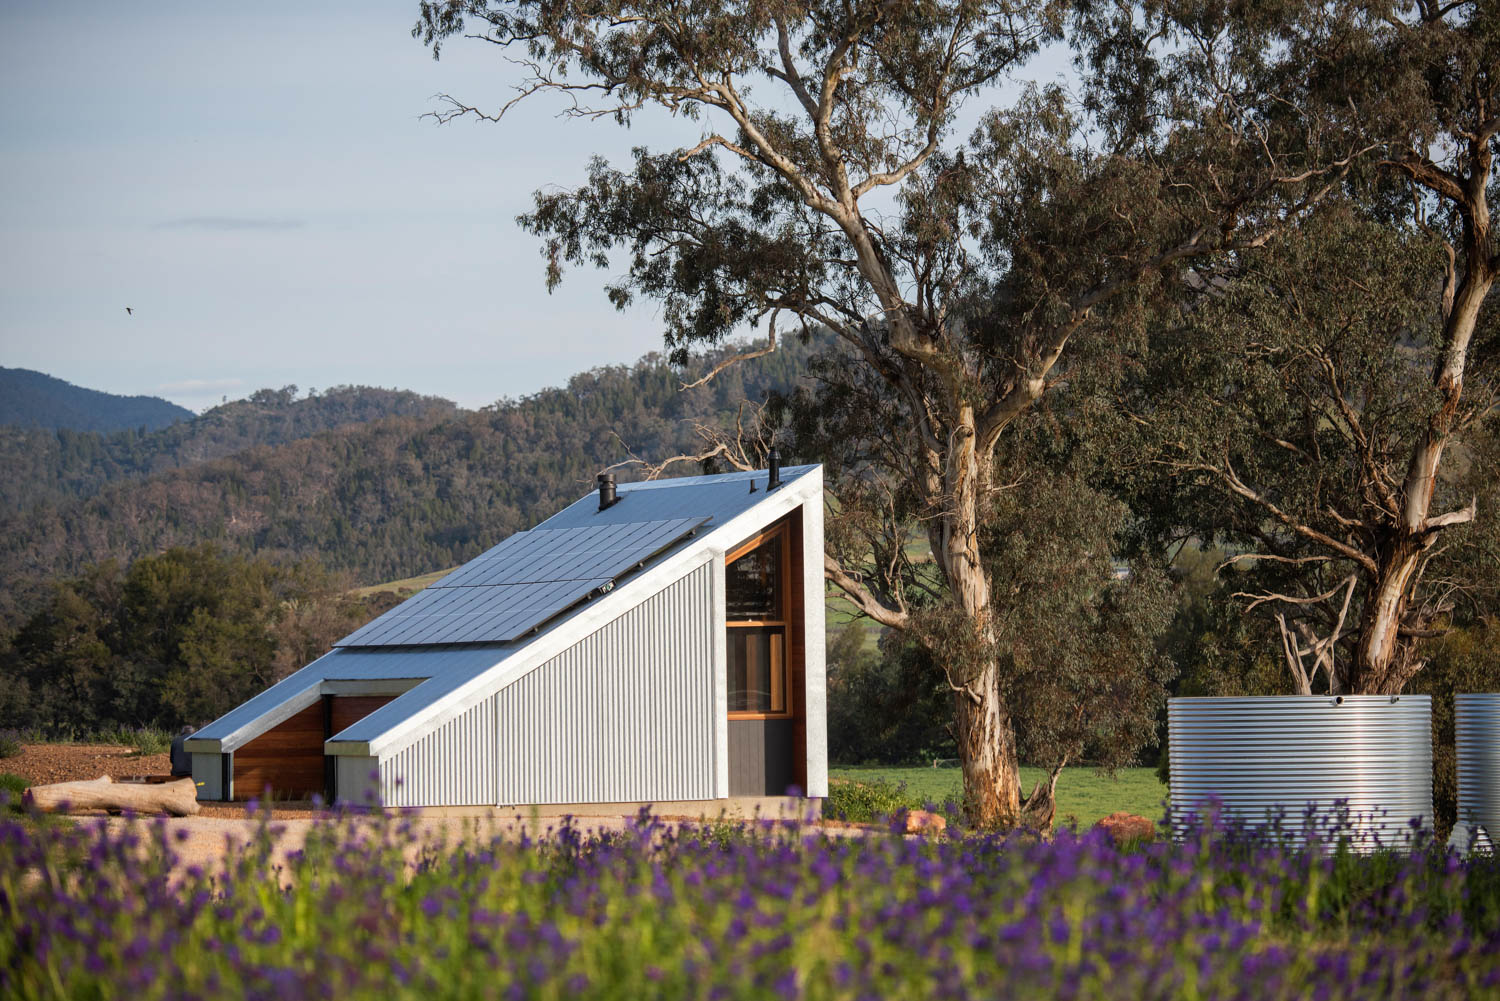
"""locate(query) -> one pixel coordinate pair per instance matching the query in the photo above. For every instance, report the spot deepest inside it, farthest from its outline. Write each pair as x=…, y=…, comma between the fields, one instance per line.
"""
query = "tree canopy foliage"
x=828, y=186
x=1327, y=404
x=182, y=637
x=1286, y=406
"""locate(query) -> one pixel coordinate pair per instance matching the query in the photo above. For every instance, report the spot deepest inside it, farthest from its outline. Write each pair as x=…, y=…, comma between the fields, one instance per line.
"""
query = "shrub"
x=866, y=802
x=11, y=788
x=144, y=740
x=10, y=747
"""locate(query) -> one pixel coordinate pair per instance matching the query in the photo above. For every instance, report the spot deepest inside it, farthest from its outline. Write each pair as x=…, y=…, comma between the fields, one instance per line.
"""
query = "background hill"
x=394, y=496
x=35, y=400
x=52, y=467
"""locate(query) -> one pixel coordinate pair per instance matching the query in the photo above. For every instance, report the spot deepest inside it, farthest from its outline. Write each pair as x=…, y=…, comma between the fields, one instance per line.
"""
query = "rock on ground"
x=923, y=822
x=1123, y=827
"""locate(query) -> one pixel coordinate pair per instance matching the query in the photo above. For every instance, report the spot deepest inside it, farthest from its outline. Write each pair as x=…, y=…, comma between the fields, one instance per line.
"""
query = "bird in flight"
x=129, y=311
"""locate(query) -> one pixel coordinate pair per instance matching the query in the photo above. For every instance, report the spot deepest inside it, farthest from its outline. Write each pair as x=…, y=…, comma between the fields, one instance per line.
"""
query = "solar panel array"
x=520, y=584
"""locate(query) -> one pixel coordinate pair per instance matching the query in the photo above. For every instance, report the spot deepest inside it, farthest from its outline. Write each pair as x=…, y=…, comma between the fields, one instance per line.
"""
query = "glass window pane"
x=753, y=584
x=757, y=670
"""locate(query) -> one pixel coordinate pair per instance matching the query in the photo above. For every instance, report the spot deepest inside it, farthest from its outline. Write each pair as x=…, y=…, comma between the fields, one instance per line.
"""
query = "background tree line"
x=54, y=467
x=372, y=483
x=180, y=637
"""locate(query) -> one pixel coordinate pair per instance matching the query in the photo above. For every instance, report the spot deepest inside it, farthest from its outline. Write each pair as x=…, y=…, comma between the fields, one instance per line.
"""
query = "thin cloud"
x=224, y=222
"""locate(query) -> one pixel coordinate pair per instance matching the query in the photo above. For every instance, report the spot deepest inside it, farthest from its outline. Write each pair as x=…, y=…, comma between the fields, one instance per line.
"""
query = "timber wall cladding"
x=288, y=758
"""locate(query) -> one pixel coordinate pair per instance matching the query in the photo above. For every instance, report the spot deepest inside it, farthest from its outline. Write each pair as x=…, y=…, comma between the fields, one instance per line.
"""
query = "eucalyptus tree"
x=1329, y=420
x=1287, y=404
x=823, y=180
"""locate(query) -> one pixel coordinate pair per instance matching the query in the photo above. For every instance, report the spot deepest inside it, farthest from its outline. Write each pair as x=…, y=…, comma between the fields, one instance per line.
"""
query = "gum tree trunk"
x=987, y=755
x=1384, y=661
x=983, y=725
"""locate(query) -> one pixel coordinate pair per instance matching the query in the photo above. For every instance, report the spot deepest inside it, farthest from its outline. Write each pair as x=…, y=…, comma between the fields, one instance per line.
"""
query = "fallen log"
x=180, y=798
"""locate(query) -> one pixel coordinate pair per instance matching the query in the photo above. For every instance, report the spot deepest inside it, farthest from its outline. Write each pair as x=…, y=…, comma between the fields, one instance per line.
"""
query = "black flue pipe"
x=607, y=495
x=773, y=461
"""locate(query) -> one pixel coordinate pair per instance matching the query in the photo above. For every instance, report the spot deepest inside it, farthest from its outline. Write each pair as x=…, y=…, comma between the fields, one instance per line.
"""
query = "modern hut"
x=657, y=642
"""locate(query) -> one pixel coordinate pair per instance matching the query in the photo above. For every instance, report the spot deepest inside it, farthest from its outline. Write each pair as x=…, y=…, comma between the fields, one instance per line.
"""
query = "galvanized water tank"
x=1476, y=729
x=1260, y=756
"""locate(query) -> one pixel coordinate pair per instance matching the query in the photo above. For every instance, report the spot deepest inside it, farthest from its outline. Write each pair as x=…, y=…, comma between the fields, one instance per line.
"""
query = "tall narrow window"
x=755, y=598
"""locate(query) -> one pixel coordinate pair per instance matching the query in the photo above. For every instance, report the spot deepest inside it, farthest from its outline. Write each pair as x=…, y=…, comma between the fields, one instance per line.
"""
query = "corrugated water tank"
x=1476, y=729
x=1368, y=754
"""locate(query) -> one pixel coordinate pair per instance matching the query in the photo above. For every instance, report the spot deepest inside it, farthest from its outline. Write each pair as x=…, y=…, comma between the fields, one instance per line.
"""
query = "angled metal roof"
x=715, y=499
x=533, y=580
x=520, y=584
x=448, y=666
x=533, y=577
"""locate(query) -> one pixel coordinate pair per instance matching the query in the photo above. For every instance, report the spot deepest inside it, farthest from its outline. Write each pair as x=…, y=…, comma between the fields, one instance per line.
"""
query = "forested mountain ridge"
x=39, y=466
x=37, y=400
x=393, y=497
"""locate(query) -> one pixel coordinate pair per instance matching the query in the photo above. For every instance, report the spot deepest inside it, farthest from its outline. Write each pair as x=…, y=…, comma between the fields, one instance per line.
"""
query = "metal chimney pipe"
x=773, y=460
x=607, y=495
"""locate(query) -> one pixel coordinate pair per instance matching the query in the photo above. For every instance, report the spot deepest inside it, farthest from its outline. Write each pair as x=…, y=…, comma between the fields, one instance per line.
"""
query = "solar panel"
x=518, y=585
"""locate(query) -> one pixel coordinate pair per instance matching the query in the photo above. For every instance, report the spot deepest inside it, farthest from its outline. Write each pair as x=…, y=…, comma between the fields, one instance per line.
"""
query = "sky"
x=257, y=183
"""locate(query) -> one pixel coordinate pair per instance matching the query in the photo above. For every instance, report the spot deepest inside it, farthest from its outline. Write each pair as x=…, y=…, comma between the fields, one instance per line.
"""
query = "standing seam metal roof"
x=520, y=584
x=704, y=502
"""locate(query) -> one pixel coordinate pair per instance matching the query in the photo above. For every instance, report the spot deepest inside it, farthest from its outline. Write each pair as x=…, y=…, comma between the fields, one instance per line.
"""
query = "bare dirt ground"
x=221, y=829
x=40, y=764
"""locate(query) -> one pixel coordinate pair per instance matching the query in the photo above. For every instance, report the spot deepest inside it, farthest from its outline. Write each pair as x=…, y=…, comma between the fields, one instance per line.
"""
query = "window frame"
x=781, y=534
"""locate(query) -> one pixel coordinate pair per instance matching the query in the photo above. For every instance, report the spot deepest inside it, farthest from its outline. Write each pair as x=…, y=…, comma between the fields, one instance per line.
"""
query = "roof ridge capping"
x=788, y=473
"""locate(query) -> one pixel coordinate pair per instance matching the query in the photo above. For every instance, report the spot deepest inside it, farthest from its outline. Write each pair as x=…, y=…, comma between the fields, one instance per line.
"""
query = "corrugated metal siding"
x=1260, y=755
x=625, y=715
x=454, y=765
x=1477, y=730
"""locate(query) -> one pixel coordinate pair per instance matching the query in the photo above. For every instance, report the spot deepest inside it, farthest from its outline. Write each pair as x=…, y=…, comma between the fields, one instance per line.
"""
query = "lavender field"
x=721, y=912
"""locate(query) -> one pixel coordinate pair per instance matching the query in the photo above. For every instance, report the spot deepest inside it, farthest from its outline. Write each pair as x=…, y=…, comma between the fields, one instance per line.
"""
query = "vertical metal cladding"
x=453, y=765
x=625, y=715
x=208, y=773
x=1261, y=756
x=1476, y=728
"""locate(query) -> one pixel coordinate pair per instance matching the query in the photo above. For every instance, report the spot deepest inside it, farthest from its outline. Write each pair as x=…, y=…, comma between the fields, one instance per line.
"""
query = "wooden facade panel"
x=760, y=757
x=350, y=709
x=288, y=758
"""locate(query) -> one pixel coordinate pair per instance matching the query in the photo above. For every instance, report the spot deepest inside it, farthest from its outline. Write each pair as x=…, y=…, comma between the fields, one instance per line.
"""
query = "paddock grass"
x=405, y=587
x=1083, y=795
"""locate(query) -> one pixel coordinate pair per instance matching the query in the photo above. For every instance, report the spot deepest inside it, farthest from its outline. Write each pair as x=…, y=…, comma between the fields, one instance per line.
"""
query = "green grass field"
x=1083, y=794
x=411, y=585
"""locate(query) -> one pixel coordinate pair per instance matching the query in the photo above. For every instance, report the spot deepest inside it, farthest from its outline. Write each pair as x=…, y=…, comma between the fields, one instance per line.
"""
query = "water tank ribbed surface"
x=1261, y=756
x=1476, y=727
